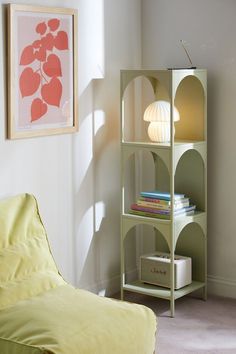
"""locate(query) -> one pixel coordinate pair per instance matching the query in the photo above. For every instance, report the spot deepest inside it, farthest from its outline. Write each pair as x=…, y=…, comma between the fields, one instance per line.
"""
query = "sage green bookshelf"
x=180, y=166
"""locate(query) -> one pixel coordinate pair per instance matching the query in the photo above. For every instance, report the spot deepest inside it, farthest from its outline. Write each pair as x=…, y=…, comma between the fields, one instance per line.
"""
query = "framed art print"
x=42, y=71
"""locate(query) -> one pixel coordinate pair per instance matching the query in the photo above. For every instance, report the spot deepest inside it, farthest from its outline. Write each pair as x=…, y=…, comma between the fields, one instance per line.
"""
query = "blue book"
x=160, y=195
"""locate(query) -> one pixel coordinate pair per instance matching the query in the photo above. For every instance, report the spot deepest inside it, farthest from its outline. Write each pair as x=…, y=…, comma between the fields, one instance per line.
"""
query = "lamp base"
x=159, y=132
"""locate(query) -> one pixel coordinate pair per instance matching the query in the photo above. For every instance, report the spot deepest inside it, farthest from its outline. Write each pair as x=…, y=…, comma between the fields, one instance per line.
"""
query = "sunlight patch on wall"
x=100, y=213
x=86, y=154
x=84, y=240
x=99, y=120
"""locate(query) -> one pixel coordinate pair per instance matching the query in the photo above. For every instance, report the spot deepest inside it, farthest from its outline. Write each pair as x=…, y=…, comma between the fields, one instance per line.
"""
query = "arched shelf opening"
x=137, y=78
x=192, y=243
x=133, y=126
x=190, y=100
x=151, y=230
x=143, y=170
x=139, y=240
x=161, y=243
x=190, y=178
x=137, y=93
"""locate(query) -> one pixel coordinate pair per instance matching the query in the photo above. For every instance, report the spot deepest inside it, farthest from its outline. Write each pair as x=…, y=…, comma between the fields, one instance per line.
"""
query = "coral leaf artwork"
x=51, y=92
x=42, y=57
x=53, y=24
x=38, y=109
x=48, y=41
x=61, y=40
x=27, y=56
x=37, y=43
x=52, y=67
x=45, y=79
x=41, y=28
x=29, y=82
x=40, y=54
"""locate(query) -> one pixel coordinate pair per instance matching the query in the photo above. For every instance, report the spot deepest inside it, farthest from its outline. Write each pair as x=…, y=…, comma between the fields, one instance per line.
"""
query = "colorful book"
x=177, y=206
x=161, y=195
x=162, y=201
x=149, y=215
x=159, y=216
x=137, y=207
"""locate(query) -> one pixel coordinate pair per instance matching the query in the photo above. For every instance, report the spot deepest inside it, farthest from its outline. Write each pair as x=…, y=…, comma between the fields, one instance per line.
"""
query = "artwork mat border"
x=12, y=133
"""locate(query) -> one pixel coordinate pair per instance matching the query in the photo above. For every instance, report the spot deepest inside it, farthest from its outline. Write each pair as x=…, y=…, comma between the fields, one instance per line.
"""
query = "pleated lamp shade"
x=158, y=114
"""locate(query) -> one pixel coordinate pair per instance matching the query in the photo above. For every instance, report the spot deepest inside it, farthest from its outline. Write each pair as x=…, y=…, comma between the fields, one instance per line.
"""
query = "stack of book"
x=158, y=205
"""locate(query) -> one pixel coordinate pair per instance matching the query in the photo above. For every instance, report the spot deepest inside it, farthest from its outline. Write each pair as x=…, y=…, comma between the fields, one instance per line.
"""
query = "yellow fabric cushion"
x=40, y=313
x=69, y=321
x=27, y=267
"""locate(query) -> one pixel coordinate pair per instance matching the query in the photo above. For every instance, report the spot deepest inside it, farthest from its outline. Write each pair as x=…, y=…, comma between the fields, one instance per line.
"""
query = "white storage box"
x=155, y=269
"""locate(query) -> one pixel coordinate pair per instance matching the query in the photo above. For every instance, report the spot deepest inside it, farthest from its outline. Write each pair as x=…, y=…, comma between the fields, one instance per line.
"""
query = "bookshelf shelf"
x=143, y=144
x=179, y=166
x=152, y=221
x=160, y=292
x=179, y=221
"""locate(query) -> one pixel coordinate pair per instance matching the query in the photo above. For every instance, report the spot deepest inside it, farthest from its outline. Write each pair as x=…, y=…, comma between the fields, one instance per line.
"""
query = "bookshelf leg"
x=121, y=293
x=205, y=293
x=172, y=307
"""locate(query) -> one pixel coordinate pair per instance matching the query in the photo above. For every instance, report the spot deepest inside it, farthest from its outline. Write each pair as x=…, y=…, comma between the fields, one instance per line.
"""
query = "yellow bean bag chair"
x=41, y=313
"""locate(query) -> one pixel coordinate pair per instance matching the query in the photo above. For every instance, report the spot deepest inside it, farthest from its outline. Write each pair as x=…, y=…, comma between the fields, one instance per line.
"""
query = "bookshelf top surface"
x=177, y=143
x=170, y=70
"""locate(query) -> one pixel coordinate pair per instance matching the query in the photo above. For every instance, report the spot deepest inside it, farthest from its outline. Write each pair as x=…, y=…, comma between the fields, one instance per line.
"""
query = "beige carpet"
x=198, y=327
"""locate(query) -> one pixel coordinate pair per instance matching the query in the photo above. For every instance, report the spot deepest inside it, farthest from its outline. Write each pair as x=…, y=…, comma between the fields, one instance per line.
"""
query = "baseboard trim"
x=221, y=286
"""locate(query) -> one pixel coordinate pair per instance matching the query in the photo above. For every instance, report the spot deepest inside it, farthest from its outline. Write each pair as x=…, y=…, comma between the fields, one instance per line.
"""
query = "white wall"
x=96, y=153
x=208, y=27
x=76, y=177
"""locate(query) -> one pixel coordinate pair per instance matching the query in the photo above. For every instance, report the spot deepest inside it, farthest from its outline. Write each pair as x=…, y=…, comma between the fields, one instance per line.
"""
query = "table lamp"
x=158, y=114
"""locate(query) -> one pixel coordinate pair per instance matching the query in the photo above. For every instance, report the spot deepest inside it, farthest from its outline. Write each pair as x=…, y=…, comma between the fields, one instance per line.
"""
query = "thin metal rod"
x=182, y=43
